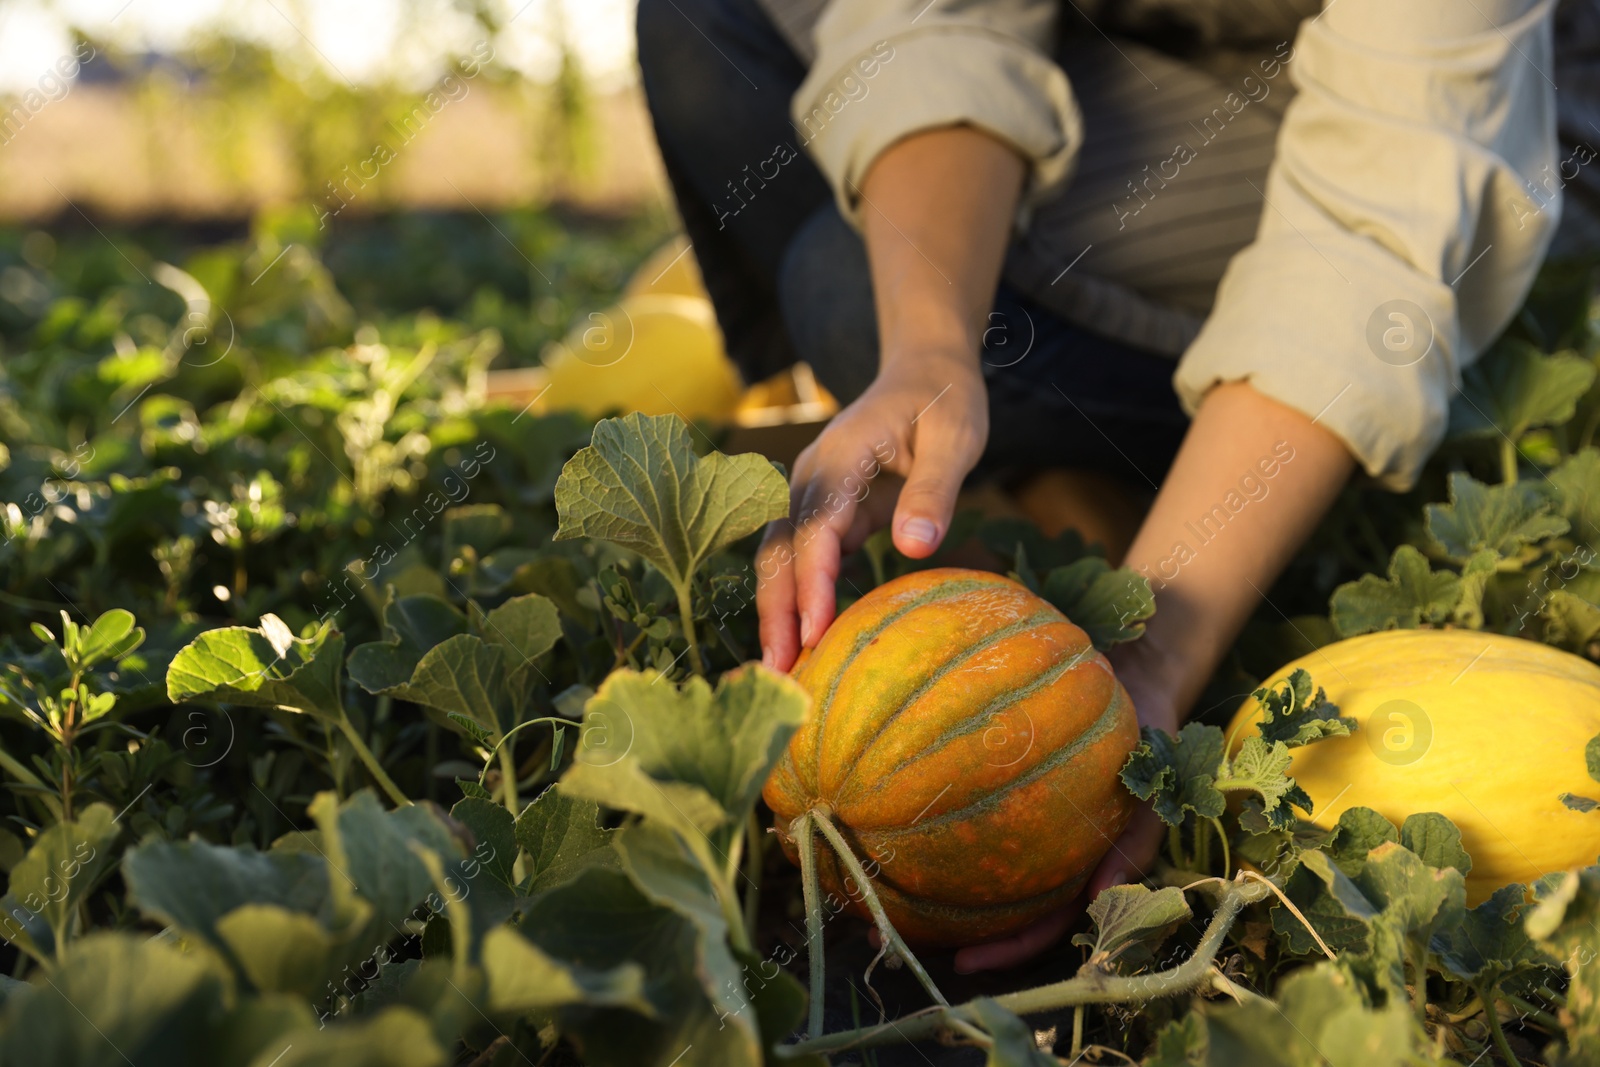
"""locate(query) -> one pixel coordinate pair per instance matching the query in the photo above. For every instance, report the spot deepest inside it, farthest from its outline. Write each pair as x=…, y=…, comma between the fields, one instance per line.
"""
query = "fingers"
x=824, y=516
x=1132, y=854
x=775, y=599
x=942, y=456
x=1020, y=947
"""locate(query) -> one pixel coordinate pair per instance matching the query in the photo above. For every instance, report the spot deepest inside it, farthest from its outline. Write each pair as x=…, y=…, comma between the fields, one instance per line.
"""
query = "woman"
x=1013, y=234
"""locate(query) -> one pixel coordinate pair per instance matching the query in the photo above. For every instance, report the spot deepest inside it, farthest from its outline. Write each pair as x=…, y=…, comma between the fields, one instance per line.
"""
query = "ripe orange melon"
x=965, y=738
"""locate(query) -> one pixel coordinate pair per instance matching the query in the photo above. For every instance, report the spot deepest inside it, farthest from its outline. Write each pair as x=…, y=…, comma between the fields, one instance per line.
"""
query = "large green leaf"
x=1131, y=922
x=372, y=852
x=57, y=874
x=278, y=950
x=640, y=485
x=1566, y=923
x=1435, y=840
x=1504, y=519
x=1413, y=594
x=1490, y=941
x=1177, y=773
x=494, y=834
x=1320, y=1019
x=694, y=758
x=562, y=836
x=667, y=873
x=526, y=627
x=601, y=921
x=117, y=999
x=1514, y=388
x=394, y=1037
x=523, y=978
x=411, y=626
x=1577, y=480
x=266, y=667
x=464, y=675
x=193, y=884
x=1111, y=606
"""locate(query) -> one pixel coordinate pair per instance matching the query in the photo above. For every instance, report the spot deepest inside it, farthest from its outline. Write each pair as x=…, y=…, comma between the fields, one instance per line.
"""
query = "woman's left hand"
x=1131, y=854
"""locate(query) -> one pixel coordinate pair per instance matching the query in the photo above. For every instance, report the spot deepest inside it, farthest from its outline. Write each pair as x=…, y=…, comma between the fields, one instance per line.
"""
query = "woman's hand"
x=1131, y=854
x=936, y=210
x=900, y=451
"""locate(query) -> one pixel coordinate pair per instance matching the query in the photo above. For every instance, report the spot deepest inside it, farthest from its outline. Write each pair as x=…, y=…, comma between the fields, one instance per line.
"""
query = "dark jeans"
x=790, y=280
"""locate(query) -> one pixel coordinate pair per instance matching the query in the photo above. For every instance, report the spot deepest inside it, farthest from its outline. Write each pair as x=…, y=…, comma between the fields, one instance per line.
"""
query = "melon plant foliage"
x=346, y=718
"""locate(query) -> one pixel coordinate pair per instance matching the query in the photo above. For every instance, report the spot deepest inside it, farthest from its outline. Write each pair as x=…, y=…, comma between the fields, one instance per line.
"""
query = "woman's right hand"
x=899, y=452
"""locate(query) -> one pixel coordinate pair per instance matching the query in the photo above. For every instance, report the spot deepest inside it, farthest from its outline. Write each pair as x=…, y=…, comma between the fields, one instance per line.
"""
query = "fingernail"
x=768, y=660
x=919, y=530
x=962, y=967
x=1120, y=878
x=805, y=629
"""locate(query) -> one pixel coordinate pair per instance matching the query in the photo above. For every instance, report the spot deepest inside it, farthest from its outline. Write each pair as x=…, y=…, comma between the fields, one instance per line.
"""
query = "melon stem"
x=869, y=896
x=1085, y=989
x=806, y=843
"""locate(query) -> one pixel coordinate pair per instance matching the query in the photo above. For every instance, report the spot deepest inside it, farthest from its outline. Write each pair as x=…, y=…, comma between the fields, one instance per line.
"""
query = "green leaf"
x=1180, y=1043
x=411, y=626
x=393, y=1037
x=193, y=884
x=478, y=526
x=278, y=950
x=57, y=873
x=112, y=636
x=1330, y=901
x=1475, y=576
x=1504, y=519
x=1566, y=924
x=1490, y=942
x=601, y=921
x=464, y=675
x=1263, y=769
x=526, y=627
x=1359, y=831
x=523, y=978
x=494, y=833
x=266, y=667
x=1570, y=622
x=1111, y=606
x=1413, y=594
x=1435, y=840
x=1177, y=773
x=1296, y=716
x=1320, y=1019
x=1577, y=480
x=1591, y=757
x=117, y=999
x=695, y=758
x=1131, y=922
x=1514, y=388
x=562, y=836
x=668, y=874
x=639, y=485
x=372, y=852
x=1018, y=541
x=1578, y=803
x=1014, y=1045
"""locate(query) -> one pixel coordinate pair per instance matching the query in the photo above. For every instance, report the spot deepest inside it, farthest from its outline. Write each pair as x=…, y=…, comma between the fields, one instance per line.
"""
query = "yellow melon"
x=656, y=354
x=1486, y=729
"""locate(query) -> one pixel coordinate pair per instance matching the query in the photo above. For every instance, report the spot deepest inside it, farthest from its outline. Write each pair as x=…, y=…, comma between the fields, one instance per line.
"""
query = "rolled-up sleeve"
x=886, y=69
x=1412, y=197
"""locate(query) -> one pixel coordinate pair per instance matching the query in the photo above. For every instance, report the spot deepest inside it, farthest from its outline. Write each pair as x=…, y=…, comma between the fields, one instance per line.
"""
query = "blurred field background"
x=212, y=109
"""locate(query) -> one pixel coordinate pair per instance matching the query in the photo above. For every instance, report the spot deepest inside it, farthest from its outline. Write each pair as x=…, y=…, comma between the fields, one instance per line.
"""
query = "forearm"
x=1252, y=479
x=937, y=214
